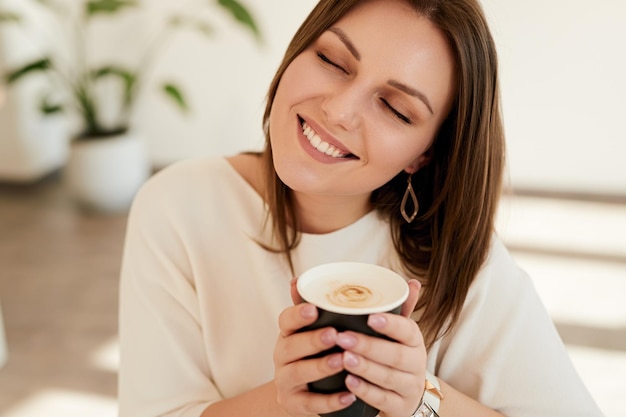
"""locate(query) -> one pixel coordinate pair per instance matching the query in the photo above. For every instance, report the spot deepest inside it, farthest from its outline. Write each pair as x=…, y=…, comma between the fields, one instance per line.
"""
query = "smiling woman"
x=384, y=145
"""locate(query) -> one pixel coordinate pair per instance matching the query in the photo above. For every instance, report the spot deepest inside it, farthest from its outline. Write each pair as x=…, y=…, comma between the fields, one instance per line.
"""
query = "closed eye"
x=326, y=60
x=395, y=112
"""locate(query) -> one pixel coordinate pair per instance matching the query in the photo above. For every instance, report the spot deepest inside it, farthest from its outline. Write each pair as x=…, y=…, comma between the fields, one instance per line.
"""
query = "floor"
x=58, y=294
x=58, y=288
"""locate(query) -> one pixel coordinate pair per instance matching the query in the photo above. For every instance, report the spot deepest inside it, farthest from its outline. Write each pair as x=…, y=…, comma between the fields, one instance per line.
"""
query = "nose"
x=343, y=108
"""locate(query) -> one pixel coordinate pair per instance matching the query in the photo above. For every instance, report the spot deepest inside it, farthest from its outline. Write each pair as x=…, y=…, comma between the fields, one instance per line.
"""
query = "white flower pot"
x=104, y=174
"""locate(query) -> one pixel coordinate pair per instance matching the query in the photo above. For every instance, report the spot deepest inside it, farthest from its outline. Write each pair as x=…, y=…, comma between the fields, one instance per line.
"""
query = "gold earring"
x=409, y=192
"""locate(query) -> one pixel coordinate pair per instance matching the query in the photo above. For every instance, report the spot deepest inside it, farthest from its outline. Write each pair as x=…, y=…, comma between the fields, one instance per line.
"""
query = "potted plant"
x=101, y=145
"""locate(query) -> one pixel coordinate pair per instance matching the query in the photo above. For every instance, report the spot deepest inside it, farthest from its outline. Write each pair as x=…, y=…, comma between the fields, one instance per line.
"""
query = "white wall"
x=563, y=86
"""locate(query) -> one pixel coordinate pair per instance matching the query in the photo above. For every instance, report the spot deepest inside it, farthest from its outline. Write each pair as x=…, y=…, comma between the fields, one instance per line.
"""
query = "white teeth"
x=319, y=144
x=314, y=139
x=323, y=147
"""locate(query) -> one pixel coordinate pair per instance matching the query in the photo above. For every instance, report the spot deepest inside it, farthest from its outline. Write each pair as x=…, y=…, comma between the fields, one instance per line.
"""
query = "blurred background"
x=174, y=80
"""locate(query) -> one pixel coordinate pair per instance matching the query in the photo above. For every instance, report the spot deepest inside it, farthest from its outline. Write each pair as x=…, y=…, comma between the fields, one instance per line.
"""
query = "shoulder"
x=193, y=193
x=190, y=180
x=500, y=263
x=181, y=187
x=187, y=174
x=249, y=167
x=500, y=281
x=503, y=293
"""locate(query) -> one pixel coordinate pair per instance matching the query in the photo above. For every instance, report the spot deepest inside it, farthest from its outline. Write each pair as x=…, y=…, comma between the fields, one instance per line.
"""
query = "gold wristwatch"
x=431, y=399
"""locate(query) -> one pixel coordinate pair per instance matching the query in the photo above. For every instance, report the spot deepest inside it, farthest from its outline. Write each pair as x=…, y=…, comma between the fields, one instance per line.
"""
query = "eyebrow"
x=412, y=92
x=396, y=84
x=346, y=41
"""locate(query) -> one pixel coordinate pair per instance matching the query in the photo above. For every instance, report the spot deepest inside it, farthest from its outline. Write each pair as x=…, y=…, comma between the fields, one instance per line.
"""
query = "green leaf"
x=241, y=14
x=47, y=106
x=196, y=24
x=127, y=77
x=174, y=93
x=111, y=70
x=93, y=7
x=8, y=17
x=84, y=97
x=53, y=6
x=40, y=65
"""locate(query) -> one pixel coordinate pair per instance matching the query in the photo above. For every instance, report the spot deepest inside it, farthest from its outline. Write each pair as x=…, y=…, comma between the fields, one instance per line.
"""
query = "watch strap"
x=425, y=410
x=431, y=399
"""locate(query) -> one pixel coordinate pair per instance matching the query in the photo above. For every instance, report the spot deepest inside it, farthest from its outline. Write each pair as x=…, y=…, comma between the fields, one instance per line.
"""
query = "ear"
x=419, y=162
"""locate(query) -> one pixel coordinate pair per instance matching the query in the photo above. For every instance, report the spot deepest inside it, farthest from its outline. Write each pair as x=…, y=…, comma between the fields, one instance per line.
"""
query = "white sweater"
x=200, y=301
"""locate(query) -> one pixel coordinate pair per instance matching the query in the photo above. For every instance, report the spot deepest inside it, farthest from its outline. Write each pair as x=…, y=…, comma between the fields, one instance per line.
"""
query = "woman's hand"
x=293, y=370
x=388, y=375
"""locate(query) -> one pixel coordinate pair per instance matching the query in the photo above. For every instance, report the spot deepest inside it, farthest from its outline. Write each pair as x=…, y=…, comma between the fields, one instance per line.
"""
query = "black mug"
x=320, y=285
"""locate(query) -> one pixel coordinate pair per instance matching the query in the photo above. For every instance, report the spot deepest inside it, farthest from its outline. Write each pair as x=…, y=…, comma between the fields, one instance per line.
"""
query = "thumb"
x=295, y=295
x=414, y=295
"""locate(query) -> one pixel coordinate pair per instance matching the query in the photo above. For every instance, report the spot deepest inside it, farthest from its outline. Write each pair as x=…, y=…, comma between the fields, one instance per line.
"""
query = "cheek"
x=297, y=84
x=301, y=80
x=398, y=150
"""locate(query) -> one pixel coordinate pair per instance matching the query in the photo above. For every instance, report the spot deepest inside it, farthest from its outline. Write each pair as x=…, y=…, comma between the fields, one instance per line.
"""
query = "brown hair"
x=458, y=190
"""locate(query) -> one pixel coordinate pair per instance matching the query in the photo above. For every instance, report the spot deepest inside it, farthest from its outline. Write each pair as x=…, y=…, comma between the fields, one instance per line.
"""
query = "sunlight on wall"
x=575, y=254
x=569, y=248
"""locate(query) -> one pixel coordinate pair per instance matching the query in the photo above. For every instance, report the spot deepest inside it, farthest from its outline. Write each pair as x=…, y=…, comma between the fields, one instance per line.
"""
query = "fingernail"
x=334, y=361
x=352, y=381
x=347, y=399
x=377, y=321
x=416, y=283
x=329, y=336
x=308, y=311
x=350, y=359
x=346, y=341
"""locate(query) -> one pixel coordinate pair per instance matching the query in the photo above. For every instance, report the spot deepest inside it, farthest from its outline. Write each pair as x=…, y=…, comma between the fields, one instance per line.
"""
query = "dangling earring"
x=409, y=192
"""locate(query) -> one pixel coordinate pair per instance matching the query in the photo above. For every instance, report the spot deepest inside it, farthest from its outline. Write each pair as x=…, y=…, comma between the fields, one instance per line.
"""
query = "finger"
x=388, y=402
x=389, y=353
x=402, y=329
x=296, y=317
x=391, y=379
x=295, y=295
x=299, y=373
x=302, y=345
x=410, y=303
x=292, y=391
x=305, y=403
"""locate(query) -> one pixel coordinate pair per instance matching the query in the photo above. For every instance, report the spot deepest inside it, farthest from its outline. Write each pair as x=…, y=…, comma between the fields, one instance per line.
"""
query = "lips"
x=322, y=146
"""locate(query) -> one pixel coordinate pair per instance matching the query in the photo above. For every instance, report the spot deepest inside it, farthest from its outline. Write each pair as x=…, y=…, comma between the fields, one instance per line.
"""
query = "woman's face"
x=363, y=102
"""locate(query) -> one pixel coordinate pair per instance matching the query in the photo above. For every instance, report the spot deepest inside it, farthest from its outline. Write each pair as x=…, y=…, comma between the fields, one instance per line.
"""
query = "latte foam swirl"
x=353, y=295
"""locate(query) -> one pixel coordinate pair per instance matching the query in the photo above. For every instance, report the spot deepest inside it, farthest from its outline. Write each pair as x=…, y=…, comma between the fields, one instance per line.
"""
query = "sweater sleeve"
x=163, y=366
x=506, y=353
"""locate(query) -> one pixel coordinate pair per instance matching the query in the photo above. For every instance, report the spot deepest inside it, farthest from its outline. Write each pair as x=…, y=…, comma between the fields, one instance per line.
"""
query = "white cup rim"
x=392, y=281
